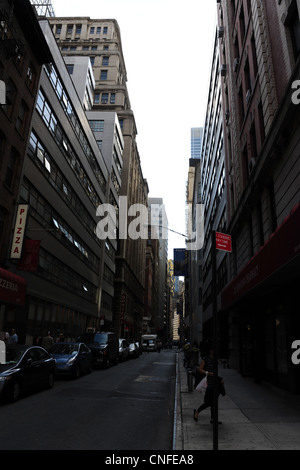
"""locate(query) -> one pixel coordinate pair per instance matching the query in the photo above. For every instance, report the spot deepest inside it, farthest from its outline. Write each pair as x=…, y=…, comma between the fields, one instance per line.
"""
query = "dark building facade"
x=63, y=181
x=259, y=50
x=23, y=50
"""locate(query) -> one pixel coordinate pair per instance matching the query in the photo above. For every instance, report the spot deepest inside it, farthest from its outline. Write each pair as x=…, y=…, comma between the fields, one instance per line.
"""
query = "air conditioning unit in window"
x=252, y=164
x=248, y=96
x=236, y=63
x=223, y=70
x=220, y=31
x=2, y=92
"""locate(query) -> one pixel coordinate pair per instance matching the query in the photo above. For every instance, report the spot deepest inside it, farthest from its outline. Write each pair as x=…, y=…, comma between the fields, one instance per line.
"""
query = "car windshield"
x=14, y=354
x=61, y=348
x=98, y=338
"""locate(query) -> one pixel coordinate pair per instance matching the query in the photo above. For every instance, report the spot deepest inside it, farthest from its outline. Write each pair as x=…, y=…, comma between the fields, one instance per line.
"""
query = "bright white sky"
x=167, y=46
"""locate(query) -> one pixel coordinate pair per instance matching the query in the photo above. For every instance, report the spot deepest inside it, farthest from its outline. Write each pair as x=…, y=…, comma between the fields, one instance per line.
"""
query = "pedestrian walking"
x=61, y=338
x=48, y=341
x=207, y=368
x=13, y=338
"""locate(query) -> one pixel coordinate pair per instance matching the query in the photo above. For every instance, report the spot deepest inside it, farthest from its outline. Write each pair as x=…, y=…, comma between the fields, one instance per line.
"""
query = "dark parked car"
x=134, y=350
x=72, y=358
x=123, y=350
x=104, y=346
x=27, y=368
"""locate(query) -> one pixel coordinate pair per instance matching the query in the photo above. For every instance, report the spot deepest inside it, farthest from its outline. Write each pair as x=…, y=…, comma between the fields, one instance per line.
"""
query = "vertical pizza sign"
x=19, y=232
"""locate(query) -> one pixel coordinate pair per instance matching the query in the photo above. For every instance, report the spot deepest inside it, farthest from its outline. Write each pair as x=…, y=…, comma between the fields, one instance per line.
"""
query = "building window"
x=30, y=76
x=92, y=30
x=104, y=98
x=105, y=60
x=11, y=93
x=78, y=29
x=92, y=59
x=98, y=30
x=3, y=214
x=69, y=29
x=70, y=68
x=21, y=119
x=112, y=98
x=245, y=165
x=105, y=30
x=58, y=29
x=10, y=170
x=97, y=126
x=103, y=75
x=295, y=33
x=97, y=98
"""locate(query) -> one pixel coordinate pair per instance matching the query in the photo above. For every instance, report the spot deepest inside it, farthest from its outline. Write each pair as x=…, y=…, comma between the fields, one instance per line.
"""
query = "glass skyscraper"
x=196, y=141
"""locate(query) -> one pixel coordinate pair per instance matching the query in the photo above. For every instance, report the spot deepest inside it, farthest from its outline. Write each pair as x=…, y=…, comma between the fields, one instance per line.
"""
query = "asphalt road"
x=126, y=407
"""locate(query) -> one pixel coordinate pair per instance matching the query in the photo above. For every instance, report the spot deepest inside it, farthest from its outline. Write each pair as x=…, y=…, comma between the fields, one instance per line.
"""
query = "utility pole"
x=215, y=340
x=220, y=241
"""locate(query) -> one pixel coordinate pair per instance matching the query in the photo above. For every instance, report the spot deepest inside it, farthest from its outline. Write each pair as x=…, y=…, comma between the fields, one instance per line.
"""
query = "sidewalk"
x=254, y=416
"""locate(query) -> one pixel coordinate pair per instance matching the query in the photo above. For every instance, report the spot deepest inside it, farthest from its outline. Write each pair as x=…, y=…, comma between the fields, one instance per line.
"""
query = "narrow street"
x=125, y=407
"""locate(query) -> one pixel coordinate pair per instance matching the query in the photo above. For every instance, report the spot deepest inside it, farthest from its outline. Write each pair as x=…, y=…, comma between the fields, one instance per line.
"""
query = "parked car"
x=72, y=358
x=104, y=347
x=133, y=350
x=123, y=349
x=26, y=368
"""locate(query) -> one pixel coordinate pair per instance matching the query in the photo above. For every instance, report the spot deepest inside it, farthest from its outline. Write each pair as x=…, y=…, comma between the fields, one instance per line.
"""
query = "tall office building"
x=196, y=141
x=207, y=186
x=158, y=224
x=100, y=40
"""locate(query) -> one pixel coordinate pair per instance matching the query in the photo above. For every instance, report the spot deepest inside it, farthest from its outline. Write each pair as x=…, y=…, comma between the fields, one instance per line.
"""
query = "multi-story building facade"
x=193, y=282
x=196, y=141
x=23, y=51
x=158, y=235
x=65, y=180
x=207, y=186
x=259, y=52
x=100, y=40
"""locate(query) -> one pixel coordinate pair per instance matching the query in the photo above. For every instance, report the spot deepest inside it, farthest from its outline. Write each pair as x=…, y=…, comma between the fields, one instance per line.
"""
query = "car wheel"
x=50, y=381
x=15, y=392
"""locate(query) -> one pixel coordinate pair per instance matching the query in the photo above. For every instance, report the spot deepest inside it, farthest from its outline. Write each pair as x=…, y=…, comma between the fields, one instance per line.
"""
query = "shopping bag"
x=201, y=387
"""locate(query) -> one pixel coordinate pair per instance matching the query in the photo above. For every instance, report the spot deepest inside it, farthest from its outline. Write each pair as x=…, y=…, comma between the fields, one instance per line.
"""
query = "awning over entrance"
x=12, y=288
x=281, y=248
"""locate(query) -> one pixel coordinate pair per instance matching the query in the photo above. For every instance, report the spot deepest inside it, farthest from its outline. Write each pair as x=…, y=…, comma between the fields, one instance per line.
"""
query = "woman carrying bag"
x=207, y=367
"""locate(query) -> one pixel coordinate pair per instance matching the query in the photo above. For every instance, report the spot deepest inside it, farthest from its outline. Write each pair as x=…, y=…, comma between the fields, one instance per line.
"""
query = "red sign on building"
x=223, y=242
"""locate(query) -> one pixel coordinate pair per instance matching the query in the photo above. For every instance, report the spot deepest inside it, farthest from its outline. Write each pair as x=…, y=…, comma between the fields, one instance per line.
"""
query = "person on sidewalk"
x=48, y=341
x=207, y=368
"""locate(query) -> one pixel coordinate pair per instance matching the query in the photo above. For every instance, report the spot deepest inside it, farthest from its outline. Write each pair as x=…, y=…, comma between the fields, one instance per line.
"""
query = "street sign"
x=223, y=242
